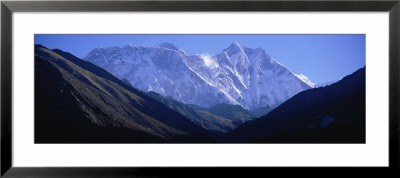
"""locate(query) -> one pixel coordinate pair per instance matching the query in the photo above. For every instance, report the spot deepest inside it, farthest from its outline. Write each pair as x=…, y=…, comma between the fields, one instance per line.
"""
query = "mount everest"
x=238, y=75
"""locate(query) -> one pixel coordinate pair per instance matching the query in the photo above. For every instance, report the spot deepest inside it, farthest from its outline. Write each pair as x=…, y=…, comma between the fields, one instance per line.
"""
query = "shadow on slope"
x=331, y=114
x=78, y=102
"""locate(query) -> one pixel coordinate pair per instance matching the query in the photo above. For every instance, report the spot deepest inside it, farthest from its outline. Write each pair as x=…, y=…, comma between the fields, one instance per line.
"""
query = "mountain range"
x=77, y=101
x=237, y=76
x=330, y=114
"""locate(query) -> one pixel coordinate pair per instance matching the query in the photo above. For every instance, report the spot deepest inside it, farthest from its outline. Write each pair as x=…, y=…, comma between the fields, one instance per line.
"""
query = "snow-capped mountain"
x=305, y=80
x=238, y=75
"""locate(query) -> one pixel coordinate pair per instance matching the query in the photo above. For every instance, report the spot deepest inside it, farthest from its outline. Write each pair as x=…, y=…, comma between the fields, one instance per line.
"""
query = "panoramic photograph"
x=199, y=88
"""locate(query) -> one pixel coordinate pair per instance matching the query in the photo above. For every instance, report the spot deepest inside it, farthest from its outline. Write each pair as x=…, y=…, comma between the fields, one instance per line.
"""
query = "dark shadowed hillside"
x=236, y=113
x=331, y=114
x=217, y=124
x=78, y=102
x=261, y=111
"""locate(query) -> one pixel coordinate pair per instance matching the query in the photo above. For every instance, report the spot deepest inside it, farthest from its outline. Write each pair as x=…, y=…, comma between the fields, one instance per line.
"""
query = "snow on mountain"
x=305, y=80
x=238, y=75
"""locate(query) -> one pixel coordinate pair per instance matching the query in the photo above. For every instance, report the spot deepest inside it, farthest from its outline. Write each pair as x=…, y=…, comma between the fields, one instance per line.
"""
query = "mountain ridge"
x=330, y=114
x=84, y=103
x=77, y=101
x=238, y=75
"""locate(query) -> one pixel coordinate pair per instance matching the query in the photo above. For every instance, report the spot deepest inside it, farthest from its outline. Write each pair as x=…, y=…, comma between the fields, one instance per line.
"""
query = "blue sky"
x=322, y=58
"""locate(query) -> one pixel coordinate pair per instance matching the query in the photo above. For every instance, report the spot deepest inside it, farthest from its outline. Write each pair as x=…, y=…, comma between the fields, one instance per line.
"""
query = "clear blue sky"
x=321, y=58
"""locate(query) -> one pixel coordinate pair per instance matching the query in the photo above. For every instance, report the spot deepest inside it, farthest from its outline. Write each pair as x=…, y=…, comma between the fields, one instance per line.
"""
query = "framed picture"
x=134, y=88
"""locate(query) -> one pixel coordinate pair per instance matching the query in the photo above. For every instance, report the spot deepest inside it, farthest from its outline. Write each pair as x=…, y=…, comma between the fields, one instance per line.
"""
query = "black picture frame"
x=8, y=7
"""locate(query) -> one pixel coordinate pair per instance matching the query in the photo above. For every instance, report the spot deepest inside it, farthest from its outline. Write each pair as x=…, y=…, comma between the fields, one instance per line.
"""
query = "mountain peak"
x=238, y=75
x=233, y=48
x=168, y=46
x=234, y=45
x=305, y=79
x=107, y=48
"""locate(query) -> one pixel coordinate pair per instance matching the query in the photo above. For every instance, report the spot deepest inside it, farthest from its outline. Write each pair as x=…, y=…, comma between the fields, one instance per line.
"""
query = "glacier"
x=238, y=75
